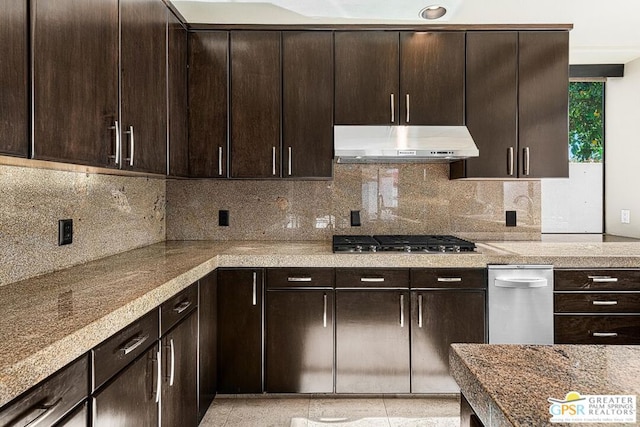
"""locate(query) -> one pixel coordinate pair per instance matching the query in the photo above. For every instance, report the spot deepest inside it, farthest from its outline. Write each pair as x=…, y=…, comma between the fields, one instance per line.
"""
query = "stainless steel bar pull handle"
x=372, y=279
x=46, y=408
x=133, y=344
x=526, y=161
x=449, y=279
x=172, y=371
x=180, y=308
x=159, y=378
x=510, y=161
x=408, y=107
x=393, y=109
x=299, y=279
x=419, y=311
x=116, y=156
x=255, y=288
x=604, y=302
x=289, y=162
x=401, y=311
x=324, y=313
x=605, y=334
x=603, y=279
x=132, y=145
x=273, y=161
x=220, y=161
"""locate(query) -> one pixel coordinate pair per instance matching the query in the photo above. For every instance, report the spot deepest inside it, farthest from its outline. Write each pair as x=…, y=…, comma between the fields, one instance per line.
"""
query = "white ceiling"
x=604, y=31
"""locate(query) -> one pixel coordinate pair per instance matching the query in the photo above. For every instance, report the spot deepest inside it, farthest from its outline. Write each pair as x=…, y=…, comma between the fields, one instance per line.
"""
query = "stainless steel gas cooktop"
x=402, y=243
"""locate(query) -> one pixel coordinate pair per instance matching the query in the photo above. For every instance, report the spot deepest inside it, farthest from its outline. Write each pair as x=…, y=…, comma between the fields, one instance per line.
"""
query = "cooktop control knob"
x=358, y=248
x=456, y=248
x=373, y=248
x=442, y=248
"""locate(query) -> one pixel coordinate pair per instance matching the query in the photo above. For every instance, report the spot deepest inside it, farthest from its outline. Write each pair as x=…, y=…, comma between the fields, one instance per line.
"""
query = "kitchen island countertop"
x=508, y=385
x=50, y=320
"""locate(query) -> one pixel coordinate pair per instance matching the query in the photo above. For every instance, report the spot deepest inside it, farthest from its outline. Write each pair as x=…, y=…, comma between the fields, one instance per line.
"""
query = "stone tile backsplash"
x=111, y=214
x=392, y=199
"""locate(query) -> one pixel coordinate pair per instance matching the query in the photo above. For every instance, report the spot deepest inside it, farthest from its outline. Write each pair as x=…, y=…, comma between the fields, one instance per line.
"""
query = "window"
x=576, y=205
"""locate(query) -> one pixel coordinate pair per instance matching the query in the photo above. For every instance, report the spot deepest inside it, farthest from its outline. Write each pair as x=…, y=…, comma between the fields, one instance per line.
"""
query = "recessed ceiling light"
x=434, y=11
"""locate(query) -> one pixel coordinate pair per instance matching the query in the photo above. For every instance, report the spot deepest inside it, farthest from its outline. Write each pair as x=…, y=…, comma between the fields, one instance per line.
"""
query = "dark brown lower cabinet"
x=48, y=402
x=131, y=398
x=299, y=341
x=597, y=329
x=207, y=336
x=372, y=341
x=180, y=373
x=240, y=330
x=440, y=318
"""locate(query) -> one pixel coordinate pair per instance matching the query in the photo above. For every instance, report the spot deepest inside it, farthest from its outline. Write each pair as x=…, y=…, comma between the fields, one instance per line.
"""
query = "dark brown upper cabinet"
x=399, y=78
x=82, y=50
x=143, y=76
x=208, y=103
x=517, y=104
x=14, y=100
x=255, y=104
x=432, y=78
x=178, y=124
x=75, y=81
x=307, y=119
x=543, y=104
x=366, y=74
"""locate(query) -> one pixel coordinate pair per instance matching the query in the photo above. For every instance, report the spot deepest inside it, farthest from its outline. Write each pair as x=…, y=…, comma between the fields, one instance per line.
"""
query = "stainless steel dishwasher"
x=520, y=299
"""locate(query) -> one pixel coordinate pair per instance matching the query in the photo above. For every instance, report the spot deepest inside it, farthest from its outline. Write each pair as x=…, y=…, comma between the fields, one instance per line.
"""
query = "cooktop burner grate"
x=402, y=243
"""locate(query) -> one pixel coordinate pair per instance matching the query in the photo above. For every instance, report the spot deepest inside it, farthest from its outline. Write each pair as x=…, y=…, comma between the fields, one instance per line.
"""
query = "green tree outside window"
x=586, y=130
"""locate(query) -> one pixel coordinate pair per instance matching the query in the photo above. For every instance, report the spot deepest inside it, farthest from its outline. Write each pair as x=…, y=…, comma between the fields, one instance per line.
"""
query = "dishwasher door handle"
x=521, y=282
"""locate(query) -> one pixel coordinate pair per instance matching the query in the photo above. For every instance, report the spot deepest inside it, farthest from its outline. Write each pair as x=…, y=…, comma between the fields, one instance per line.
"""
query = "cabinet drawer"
x=300, y=277
x=122, y=348
x=597, y=280
x=51, y=399
x=449, y=278
x=614, y=329
x=372, y=277
x=177, y=308
x=596, y=302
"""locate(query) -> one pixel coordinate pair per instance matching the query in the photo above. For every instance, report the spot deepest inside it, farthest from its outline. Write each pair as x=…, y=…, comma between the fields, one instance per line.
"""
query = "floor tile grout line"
x=384, y=404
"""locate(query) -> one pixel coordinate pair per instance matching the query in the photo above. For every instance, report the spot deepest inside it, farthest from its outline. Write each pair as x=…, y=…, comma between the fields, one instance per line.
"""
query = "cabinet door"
x=299, y=341
x=307, y=119
x=14, y=100
x=208, y=103
x=207, y=336
x=492, y=105
x=178, y=124
x=143, y=76
x=179, y=374
x=78, y=418
x=75, y=81
x=130, y=399
x=440, y=318
x=240, y=331
x=255, y=104
x=372, y=341
x=366, y=78
x=543, y=104
x=432, y=78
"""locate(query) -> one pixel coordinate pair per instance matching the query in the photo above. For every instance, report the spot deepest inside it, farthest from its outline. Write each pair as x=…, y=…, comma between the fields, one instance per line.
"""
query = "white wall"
x=622, y=163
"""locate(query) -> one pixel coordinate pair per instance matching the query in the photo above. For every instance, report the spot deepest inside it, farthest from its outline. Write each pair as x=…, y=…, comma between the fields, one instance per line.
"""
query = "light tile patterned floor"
x=304, y=411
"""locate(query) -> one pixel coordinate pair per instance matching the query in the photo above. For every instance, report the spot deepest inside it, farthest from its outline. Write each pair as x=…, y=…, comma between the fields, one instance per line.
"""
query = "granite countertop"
x=50, y=320
x=508, y=385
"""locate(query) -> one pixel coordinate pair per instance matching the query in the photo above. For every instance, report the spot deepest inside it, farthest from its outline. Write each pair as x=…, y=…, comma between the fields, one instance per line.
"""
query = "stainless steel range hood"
x=400, y=144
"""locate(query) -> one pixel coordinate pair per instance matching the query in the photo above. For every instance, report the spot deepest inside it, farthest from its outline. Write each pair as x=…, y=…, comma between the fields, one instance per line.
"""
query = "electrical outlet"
x=355, y=219
x=223, y=218
x=65, y=232
x=511, y=219
x=625, y=216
